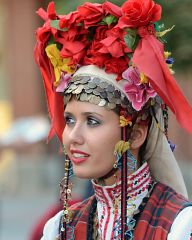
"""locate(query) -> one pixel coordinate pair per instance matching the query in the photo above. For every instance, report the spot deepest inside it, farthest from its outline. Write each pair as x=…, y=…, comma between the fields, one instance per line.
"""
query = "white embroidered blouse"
x=109, y=212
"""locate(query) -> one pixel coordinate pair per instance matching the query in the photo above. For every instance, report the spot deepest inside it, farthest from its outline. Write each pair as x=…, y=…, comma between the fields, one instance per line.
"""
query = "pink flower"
x=64, y=81
x=138, y=92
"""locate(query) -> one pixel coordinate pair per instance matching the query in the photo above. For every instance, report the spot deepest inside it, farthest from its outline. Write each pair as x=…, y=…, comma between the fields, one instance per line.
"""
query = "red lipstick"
x=78, y=156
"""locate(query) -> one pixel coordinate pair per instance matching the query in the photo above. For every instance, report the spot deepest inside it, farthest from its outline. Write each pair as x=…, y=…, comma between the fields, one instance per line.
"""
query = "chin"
x=81, y=173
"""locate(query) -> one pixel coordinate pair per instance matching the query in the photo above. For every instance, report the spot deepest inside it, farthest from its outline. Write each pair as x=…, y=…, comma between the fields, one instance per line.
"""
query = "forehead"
x=78, y=107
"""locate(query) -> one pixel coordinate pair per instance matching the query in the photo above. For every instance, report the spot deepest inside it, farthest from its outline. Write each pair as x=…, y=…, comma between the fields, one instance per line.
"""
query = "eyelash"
x=69, y=120
x=90, y=121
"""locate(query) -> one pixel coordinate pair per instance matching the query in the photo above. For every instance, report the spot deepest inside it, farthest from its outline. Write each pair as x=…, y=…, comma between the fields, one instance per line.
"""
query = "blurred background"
x=30, y=169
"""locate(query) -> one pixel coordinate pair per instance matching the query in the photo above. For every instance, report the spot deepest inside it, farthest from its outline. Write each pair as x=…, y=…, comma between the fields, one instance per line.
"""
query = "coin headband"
x=97, y=91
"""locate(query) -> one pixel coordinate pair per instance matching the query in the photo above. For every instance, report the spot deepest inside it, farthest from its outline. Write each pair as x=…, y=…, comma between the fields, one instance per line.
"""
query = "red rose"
x=74, y=44
x=117, y=66
x=94, y=57
x=74, y=50
x=91, y=13
x=138, y=13
x=69, y=20
x=101, y=32
x=112, y=9
x=114, y=43
x=43, y=33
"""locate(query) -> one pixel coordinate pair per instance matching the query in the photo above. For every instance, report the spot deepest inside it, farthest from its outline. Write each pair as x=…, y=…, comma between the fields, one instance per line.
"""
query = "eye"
x=93, y=121
x=69, y=120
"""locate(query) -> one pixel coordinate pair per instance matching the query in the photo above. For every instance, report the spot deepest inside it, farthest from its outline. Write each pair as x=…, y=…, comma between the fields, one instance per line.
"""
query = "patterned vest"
x=154, y=223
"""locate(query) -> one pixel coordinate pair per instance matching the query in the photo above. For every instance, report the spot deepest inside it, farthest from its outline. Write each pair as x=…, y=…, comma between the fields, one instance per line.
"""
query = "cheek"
x=105, y=145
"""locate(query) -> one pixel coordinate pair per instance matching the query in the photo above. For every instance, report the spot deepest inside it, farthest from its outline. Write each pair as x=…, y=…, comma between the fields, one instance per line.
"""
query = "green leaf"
x=131, y=38
x=55, y=24
x=129, y=55
x=108, y=20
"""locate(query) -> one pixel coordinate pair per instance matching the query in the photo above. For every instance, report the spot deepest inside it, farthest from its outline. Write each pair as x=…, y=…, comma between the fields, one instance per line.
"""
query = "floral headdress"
x=126, y=41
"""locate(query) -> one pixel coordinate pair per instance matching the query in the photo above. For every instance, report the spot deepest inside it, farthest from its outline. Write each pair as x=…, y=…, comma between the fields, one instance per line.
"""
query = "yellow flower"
x=60, y=64
x=167, y=54
x=124, y=122
x=121, y=147
x=143, y=78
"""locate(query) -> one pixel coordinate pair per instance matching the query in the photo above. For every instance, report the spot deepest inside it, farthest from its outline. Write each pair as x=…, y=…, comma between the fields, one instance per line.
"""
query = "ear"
x=138, y=136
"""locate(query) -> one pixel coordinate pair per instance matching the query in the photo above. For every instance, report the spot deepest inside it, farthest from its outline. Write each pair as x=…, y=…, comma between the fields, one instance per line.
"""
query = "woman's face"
x=89, y=138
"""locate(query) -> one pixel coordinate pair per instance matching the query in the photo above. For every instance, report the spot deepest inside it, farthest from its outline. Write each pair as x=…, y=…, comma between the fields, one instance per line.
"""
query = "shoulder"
x=167, y=195
x=182, y=225
x=51, y=228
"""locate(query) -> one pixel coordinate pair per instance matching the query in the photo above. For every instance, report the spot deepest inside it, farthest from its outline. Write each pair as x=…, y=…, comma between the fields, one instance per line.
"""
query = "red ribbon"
x=149, y=58
x=54, y=100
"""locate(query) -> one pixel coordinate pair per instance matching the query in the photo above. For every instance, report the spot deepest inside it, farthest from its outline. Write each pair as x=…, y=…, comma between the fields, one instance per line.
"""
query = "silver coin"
x=103, y=84
x=86, y=86
x=110, y=88
x=92, y=85
x=88, y=90
x=79, y=89
x=102, y=103
x=111, y=105
x=103, y=94
x=91, y=99
x=97, y=100
x=96, y=80
x=95, y=92
x=83, y=97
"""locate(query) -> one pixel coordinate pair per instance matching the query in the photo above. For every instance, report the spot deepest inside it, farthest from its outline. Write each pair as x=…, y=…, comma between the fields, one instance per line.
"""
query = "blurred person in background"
x=108, y=81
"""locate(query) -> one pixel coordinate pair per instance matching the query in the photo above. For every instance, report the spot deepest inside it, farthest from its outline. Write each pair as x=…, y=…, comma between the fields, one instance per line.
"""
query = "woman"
x=108, y=65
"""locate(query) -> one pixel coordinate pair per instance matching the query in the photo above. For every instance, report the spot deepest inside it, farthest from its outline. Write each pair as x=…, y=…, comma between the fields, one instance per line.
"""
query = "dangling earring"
x=66, y=190
x=120, y=148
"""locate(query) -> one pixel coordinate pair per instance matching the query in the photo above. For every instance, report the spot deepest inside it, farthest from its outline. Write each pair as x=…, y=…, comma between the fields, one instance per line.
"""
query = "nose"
x=76, y=134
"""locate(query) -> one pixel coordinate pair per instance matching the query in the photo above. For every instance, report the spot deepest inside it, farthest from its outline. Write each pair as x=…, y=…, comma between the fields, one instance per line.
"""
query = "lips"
x=78, y=156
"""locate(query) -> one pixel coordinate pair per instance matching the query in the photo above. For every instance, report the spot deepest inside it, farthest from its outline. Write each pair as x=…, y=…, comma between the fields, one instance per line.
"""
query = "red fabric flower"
x=51, y=11
x=91, y=13
x=114, y=43
x=70, y=20
x=74, y=43
x=94, y=57
x=117, y=66
x=101, y=32
x=112, y=9
x=138, y=13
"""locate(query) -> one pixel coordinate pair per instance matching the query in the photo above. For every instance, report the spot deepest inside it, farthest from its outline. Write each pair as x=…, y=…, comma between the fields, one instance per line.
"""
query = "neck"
x=114, y=176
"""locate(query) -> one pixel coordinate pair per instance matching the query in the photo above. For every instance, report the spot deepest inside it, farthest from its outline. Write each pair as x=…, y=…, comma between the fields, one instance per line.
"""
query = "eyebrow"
x=85, y=113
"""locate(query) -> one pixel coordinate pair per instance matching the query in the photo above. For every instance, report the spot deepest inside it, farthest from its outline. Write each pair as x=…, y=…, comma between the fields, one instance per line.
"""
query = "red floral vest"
x=155, y=221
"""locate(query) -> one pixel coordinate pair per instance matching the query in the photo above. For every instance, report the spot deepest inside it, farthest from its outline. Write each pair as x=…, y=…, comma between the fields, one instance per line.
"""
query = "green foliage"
x=131, y=38
x=108, y=20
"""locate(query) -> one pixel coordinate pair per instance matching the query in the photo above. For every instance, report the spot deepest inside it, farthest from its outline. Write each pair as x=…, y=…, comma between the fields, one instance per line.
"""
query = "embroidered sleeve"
x=182, y=226
x=51, y=228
